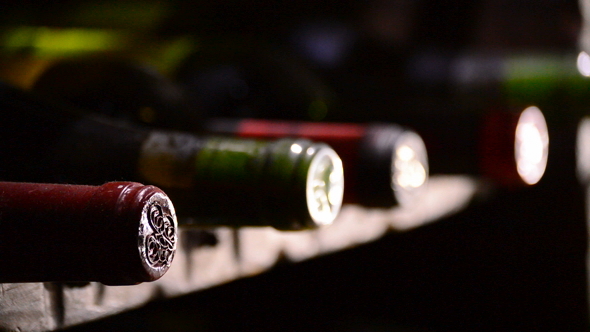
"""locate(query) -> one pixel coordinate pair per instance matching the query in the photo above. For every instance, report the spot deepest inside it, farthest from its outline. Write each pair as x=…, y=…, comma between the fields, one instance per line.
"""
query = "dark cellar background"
x=513, y=261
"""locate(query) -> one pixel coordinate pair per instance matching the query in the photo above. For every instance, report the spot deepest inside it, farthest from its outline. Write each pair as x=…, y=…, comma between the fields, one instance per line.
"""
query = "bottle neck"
x=287, y=184
x=385, y=164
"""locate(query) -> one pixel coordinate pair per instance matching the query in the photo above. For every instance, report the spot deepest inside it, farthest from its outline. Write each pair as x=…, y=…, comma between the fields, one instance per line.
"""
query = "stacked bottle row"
x=88, y=122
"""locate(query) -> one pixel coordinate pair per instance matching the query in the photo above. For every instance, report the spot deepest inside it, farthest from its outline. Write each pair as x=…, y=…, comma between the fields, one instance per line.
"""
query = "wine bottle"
x=508, y=147
x=384, y=164
x=287, y=184
x=514, y=146
x=119, y=233
x=244, y=77
x=104, y=85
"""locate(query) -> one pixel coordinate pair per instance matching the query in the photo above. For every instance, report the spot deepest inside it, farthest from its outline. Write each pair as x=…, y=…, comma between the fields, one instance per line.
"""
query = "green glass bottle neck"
x=287, y=184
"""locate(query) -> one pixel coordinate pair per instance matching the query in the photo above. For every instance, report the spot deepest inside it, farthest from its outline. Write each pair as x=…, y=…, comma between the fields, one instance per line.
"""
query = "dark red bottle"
x=120, y=233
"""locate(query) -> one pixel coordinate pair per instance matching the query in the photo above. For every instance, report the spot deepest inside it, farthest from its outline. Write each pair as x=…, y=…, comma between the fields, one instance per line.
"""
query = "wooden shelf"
x=207, y=258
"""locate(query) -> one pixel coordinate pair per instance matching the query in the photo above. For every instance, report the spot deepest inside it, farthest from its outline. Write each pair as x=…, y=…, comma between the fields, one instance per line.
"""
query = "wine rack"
x=472, y=254
x=208, y=258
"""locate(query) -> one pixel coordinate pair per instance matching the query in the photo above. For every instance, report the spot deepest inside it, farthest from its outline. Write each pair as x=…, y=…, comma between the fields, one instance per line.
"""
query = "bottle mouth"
x=409, y=167
x=531, y=145
x=324, y=185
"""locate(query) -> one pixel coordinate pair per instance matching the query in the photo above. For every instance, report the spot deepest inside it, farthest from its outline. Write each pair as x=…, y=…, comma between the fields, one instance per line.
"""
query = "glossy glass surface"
x=531, y=145
x=409, y=167
x=583, y=150
x=325, y=185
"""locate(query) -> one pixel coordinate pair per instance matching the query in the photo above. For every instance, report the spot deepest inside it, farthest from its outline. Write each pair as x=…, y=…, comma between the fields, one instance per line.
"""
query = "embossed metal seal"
x=158, y=237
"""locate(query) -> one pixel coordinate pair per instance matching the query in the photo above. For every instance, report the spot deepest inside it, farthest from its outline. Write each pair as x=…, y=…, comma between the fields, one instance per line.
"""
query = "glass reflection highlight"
x=296, y=148
x=583, y=150
x=325, y=186
x=409, y=171
x=583, y=64
x=531, y=145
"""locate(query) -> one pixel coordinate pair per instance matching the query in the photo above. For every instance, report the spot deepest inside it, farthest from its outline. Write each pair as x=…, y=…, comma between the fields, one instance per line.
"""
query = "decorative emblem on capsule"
x=159, y=234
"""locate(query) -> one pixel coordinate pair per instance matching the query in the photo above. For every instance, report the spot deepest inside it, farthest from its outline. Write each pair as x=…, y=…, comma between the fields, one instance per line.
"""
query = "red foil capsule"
x=120, y=233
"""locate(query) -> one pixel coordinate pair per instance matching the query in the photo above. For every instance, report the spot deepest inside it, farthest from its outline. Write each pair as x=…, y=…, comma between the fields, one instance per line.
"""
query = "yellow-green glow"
x=45, y=41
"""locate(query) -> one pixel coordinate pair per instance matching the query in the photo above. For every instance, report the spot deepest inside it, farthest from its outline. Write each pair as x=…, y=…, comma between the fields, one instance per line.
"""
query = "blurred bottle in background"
x=122, y=89
x=384, y=164
x=245, y=77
